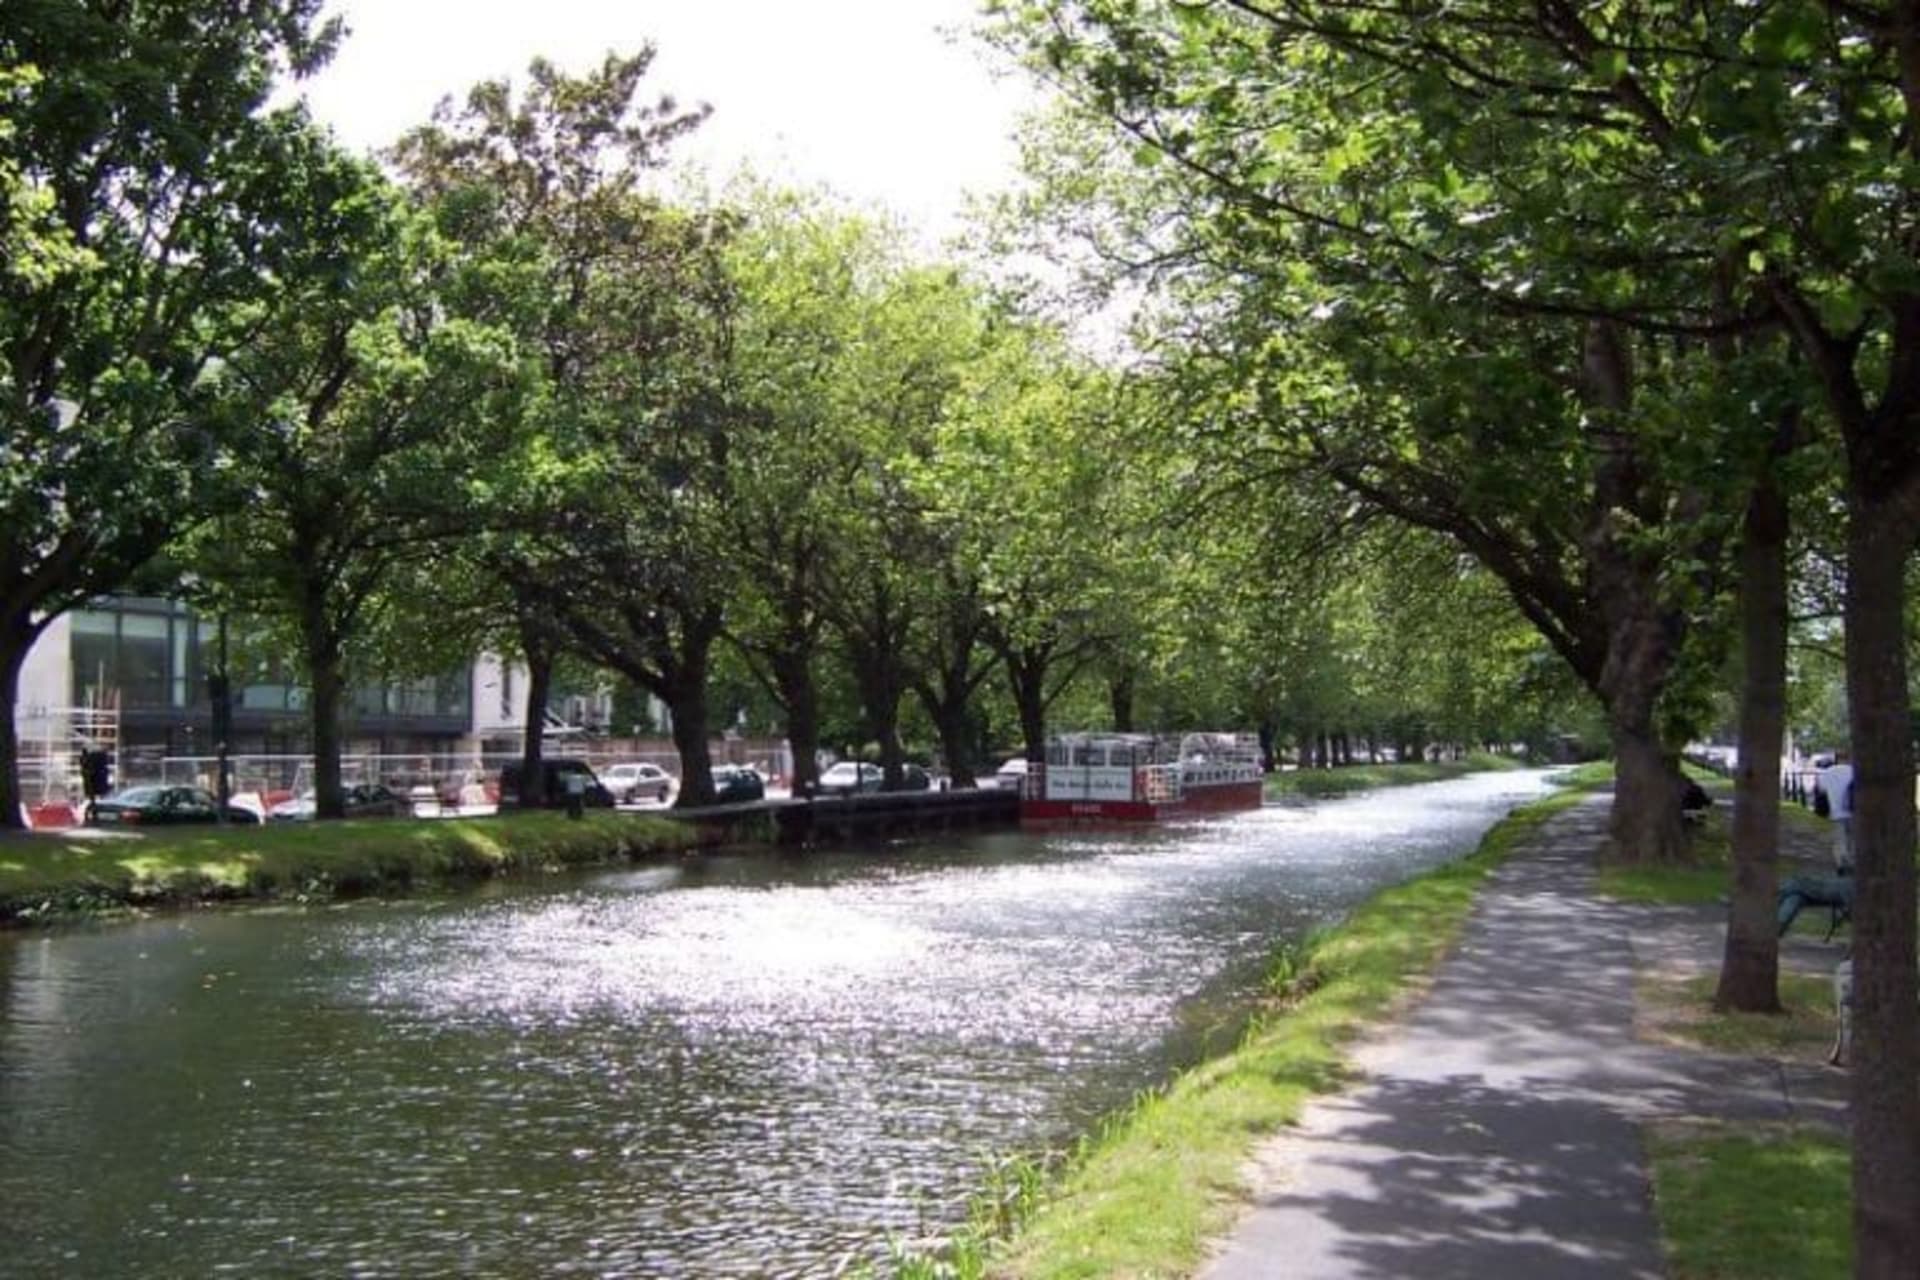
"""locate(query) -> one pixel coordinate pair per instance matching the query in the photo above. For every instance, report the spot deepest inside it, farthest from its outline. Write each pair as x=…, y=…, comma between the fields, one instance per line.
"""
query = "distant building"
x=136, y=668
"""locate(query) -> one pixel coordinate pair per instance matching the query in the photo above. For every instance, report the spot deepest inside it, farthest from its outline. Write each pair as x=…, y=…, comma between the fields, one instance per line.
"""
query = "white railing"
x=1211, y=773
x=50, y=740
x=1158, y=783
x=1033, y=784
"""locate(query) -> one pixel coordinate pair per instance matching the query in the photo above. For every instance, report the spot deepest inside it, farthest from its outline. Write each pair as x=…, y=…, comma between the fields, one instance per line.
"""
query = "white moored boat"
x=1138, y=777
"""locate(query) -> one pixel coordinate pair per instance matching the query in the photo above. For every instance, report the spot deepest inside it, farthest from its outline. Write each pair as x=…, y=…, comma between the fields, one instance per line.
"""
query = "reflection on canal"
x=750, y=1066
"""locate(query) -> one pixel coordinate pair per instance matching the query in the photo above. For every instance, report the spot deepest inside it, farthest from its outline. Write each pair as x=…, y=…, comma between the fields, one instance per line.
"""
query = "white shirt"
x=1836, y=780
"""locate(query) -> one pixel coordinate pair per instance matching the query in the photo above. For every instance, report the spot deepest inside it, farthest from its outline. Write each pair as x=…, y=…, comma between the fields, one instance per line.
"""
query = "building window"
x=451, y=694
x=180, y=686
x=92, y=652
x=146, y=665
x=414, y=698
x=506, y=692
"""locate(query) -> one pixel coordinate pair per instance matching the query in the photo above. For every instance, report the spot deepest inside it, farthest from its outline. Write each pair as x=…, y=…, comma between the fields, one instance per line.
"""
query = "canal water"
x=740, y=1067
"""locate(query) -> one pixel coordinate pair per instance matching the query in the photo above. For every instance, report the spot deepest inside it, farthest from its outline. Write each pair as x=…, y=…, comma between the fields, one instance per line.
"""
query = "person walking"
x=1836, y=782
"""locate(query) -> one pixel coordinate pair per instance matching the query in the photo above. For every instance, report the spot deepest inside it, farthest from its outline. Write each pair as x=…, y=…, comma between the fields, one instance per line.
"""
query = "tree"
x=376, y=414
x=1023, y=476
x=144, y=196
x=954, y=662
x=621, y=305
x=630, y=565
x=807, y=275
x=919, y=329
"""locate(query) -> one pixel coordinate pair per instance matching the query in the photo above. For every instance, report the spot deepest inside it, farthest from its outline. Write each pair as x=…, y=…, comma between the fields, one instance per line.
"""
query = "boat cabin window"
x=1099, y=753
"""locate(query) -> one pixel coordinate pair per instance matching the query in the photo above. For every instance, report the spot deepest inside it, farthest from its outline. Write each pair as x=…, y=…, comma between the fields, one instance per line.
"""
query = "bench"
x=1832, y=892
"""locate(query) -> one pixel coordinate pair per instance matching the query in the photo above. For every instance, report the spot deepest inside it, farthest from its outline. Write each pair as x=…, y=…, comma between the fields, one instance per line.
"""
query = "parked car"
x=163, y=806
x=849, y=777
x=552, y=794
x=468, y=789
x=914, y=778
x=1012, y=774
x=737, y=784
x=363, y=800
x=637, y=781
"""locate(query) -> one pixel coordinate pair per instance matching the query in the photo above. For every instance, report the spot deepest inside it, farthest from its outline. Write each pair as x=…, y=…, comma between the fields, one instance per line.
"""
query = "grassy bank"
x=1366, y=777
x=51, y=876
x=1706, y=875
x=1147, y=1194
x=1757, y=1202
x=1773, y=1205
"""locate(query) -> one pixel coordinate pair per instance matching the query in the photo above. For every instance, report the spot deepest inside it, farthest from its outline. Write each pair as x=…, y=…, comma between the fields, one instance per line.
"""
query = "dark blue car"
x=736, y=784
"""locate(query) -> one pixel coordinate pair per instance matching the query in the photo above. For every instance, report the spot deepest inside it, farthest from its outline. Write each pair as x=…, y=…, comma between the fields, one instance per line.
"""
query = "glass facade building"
x=153, y=656
x=144, y=653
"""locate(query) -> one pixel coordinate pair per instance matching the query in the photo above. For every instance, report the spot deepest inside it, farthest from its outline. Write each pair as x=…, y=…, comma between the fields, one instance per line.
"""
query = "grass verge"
x=1707, y=875
x=1680, y=1011
x=1367, y=777
x=50, y=877
x=1148, y=1192
x=1593, y=773
x=1758, y=1206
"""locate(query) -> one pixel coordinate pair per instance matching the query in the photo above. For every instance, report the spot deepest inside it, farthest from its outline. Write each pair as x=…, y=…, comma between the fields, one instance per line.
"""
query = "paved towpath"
x=1497, y=1130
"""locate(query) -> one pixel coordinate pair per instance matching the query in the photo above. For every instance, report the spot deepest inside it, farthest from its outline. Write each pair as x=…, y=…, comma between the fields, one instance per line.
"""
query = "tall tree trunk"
x=881, y=683
x=686, y=697
x=537, y=648
x=893, y=756
x=800, y=698
x=1642, y=631
x=1646, y=823
x=1750, y=969
x=948, y=700
x=951, y=726
x=15, y=639
x=1120, y=700
x=323, y=718
x=877, y=634
x=956, y=662
x=1885, y=1102
x=1027, y=679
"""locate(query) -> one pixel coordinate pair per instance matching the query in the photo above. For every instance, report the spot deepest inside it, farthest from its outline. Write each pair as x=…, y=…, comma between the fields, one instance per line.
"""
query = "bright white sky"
x=884, y=101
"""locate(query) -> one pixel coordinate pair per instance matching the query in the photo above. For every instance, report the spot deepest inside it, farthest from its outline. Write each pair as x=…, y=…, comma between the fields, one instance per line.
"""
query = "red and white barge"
x=1096, y=778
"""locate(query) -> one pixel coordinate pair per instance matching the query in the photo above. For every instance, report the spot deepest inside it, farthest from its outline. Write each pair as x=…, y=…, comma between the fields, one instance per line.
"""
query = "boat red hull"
x=1229, y=797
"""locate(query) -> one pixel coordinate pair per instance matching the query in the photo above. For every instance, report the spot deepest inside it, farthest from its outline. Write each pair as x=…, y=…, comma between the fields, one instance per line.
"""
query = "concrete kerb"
x=1497, y=1130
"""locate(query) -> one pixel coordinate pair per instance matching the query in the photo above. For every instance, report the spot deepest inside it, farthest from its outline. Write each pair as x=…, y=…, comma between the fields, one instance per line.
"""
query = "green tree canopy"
x=145, y=197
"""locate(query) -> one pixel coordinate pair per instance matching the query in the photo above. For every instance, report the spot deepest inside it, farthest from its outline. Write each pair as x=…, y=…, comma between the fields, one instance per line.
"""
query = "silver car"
x=851, y=776
x=637, y=781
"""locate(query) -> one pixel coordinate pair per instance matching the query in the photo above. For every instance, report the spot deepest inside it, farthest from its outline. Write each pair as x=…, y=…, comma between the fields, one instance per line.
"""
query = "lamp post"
x=220, y=691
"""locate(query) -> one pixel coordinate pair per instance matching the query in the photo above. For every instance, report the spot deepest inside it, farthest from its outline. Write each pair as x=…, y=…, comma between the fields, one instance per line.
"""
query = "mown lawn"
x=1367, y=777
x=1768, y=1205
x=1757, y=1203
x=1680, y=1009
x=1706, y=875
x=50, y=875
